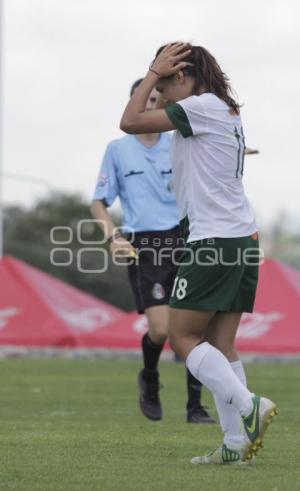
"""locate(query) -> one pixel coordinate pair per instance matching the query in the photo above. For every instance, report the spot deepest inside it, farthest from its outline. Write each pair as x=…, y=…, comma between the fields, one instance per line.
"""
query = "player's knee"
x=158, y=332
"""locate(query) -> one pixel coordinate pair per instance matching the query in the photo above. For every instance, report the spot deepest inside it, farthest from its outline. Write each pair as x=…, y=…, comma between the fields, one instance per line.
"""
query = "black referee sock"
x=151, y=354
x=194, y=390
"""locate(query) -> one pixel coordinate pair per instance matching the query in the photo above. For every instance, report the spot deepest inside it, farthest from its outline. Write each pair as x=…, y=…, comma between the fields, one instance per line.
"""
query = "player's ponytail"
x=208, y=75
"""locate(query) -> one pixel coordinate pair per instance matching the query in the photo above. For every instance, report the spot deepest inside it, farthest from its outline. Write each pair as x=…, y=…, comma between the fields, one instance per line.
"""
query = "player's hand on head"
x=170, y=59
x=121, y=247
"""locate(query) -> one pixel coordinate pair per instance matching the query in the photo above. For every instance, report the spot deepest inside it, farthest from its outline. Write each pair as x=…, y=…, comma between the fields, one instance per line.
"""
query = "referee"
x=137, y=168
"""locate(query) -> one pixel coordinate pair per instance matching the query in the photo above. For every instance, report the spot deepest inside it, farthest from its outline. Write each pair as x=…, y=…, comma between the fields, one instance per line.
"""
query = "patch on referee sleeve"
x=102, y=181
x=158, y=291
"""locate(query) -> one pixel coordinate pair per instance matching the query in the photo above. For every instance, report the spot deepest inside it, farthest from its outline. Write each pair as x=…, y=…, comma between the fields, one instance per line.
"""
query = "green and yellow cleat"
x=224, y=456
x=256, y=424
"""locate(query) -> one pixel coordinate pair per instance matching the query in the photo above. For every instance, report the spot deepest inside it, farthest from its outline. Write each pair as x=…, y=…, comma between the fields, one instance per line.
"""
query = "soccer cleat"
x=197, y=414
x=224, y=456
x=149, y=398
x=256, y=424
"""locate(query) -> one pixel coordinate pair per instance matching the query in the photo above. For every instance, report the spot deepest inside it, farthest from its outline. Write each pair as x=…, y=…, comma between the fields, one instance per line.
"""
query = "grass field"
x=75, y=425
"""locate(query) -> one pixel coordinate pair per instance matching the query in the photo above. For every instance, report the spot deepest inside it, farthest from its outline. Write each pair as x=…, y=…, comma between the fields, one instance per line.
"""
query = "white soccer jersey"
x=207, y=155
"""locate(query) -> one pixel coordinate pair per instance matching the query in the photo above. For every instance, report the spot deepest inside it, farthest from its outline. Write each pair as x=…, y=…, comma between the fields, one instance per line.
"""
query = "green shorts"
x=218, y=274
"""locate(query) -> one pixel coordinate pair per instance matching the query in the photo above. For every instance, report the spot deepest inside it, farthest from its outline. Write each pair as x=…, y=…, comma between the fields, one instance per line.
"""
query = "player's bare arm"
x=135, y=119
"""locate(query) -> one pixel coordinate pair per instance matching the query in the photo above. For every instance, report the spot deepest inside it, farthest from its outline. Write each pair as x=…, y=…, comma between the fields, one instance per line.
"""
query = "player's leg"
x=218, y=336
x=211, y=276
x=237, y=445
x=152, y=346
x=187, y=333
x=221, y=334
x=208, y=364
x=196, y=413
x=199, y=282
x=188, y=337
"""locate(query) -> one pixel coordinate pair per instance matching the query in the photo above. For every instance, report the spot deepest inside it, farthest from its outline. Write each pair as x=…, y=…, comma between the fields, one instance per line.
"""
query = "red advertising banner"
x=37, y=310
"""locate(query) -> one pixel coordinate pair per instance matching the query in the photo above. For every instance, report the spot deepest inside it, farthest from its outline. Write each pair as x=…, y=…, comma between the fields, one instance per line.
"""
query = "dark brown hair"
x=135, y=86
x=208, y=75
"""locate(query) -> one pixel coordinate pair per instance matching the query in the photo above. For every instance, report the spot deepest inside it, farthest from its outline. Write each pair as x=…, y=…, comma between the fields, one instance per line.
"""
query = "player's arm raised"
x=136, y=119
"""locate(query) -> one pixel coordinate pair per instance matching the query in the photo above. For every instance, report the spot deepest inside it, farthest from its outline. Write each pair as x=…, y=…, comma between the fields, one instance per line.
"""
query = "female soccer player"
x=217, y=277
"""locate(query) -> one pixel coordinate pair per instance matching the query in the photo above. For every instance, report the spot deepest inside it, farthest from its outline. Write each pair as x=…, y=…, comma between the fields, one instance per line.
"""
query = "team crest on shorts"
x=158, y=291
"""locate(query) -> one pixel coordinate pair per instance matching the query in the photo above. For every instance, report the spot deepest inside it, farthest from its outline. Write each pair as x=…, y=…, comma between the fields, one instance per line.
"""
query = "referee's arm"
x=118, y=244
x=100, y=213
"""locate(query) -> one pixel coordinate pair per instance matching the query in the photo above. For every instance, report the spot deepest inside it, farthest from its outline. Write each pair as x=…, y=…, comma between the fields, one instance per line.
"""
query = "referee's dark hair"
x=135, y=85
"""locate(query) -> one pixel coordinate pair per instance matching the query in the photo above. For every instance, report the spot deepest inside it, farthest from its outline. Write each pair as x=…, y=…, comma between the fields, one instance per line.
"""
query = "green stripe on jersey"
x=180, y=120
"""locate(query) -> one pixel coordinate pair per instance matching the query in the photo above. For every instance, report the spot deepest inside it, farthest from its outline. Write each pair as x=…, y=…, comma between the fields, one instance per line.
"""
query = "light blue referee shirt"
x=142, y=177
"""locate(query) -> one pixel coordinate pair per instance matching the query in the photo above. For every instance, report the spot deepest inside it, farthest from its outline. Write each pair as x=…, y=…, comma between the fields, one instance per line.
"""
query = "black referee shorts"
x=152, y=275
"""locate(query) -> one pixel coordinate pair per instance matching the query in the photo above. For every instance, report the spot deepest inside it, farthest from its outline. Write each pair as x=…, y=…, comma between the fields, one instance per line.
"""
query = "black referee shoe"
x=149, y=398
x=197, y=414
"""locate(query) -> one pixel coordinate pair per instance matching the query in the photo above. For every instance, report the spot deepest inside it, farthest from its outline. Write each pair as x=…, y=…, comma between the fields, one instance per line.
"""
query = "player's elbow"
x=127, y=126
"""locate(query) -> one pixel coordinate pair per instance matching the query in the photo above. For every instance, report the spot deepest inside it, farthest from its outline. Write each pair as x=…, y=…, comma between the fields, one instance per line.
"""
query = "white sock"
x=230, y=419
x=212, y=368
